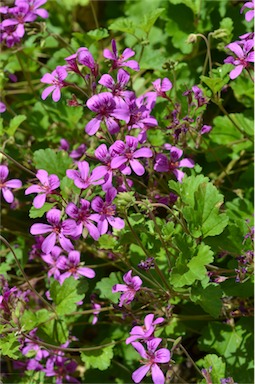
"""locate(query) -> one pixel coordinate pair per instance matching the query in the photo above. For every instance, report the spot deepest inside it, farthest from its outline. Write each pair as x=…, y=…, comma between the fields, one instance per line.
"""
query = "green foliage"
x=105, y=286
x=209, y=298
x=215, y=365
x=99, y=358
x=34, y=212
x=31, y=320
x=52, y=162
x=10, y=346
x=190, y=262
x=14, y=124
x=66, y=296
x=202, y=202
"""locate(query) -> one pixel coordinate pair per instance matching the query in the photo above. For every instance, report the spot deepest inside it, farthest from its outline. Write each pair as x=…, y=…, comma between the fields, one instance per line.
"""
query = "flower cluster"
x=15, y=18
x=147, y=348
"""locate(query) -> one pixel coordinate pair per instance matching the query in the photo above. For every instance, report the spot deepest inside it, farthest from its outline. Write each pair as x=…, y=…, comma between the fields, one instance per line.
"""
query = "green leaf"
x=66, y=296
x=123, y=25
x=208, y=298
x=107, y=242
x=216, y=363
x=215, y=83
x=105, y=286
x=186, y=189
x=190, y=263
x=34, y=212
x=52, y=162
x=53, y=332
x=10, y=346
x=98, y=34
x=30, y=320
x=194, y=5
x=71, y=4
x=150, y=19
x=98, y=359
x=15, y=123
x=204, y=218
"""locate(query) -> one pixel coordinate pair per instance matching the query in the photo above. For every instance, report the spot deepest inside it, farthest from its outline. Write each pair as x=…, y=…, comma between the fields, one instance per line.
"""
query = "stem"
x=94, y=13
x=18, y=164
x=208, y=53
x=190, y=358
x=25, y=276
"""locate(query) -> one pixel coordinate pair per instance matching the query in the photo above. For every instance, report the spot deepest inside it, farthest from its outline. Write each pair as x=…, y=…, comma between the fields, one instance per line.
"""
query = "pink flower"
x=56, y=78
x=122, y=60
x=145, y=332
x=7, y=185
x=58, y=231
x=82, y=178
x=152, y=358
x=2, y=107
x=128, y=155
x=133, y=284
x=243, y=57
x=161, y=86
x=250, y=14
x=54, y=260
x=48, y=185
x=106, y=212
x=74, y=268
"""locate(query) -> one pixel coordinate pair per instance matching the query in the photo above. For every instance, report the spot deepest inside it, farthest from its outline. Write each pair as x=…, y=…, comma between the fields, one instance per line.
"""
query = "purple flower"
x=96, y=308
x=121, y=61
x=152, y=358
x=129, y=154
x=161, y=86
x=58, y=231
x=145, y=332
x=118, y=89
x=108, y=110
x=82, y=178
x=163, y=164
x=250, y=14
x=7, y=185
x=2, y=107
x=56, y=78
x=34, y=8
x=106, y=156
x=55, y=261
x=133, y=284
x=205, y=129
x=61, y=368
x=86, y=58
x=64, y=145
x=48, y=185
x=73, y=268
x=19, y=15
x=31, y=345
x=243, y=57
x=106, y=211
x=83, y=218
x=78, y=152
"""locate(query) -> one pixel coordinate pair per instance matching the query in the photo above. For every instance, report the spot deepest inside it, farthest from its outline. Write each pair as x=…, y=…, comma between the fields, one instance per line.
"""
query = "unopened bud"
x=192, y=38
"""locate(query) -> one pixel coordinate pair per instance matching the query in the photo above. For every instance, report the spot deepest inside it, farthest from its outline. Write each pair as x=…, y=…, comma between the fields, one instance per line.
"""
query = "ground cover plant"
x=126, y=184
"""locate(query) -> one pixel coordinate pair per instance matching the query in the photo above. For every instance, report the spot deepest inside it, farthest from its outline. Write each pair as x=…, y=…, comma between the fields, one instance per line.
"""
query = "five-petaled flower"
x=122, y=60
x=244, y=57
x=56, y=79
x=73, y=267
x=145, y=332
x=58, y=231
x=7, y=185
x=133, y=284
x=48, y=184
x=106, y=212
x=152, y=358
x=82, y=178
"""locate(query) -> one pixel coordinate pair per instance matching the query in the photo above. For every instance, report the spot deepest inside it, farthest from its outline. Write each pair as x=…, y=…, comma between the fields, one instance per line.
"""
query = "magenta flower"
x=118, y=89
x=163, y=164
x=55, y=261
x=78, y=152
x=128, y=155
x=145, y=332
x=108, y=110
x=73, y=268
x=47, y=187
x=205, y=129
x=56, y=78
x=7, y=185
x=121, y=61
x=106, y=156
x=106, y=211
x=96, y=308
x=19, y=16
x=133, y=284
x=243, y=57
x=83, y=218
x=34, y=8
x=161, y=86
x=84, y=57
x=58, y=231
x=2, y=107
x=61, y=367
x=82, y=178
x=31, y=345
x=152, y=358
x=250, y=14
